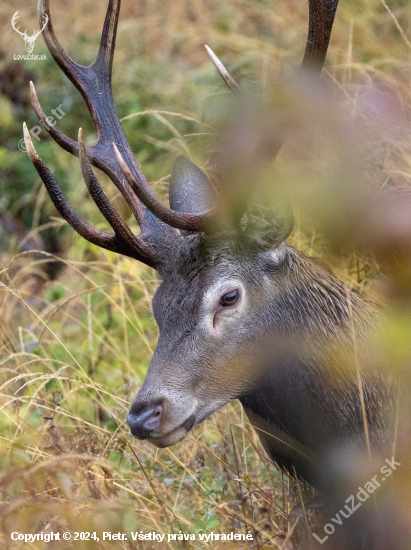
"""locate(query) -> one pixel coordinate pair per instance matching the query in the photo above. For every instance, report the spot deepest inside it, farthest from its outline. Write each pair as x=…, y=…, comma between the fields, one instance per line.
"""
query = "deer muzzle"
x=160, y=422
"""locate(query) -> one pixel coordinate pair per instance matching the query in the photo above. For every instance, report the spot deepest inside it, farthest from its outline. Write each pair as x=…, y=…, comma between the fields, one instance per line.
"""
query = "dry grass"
x=74, y=349
x=67, y=383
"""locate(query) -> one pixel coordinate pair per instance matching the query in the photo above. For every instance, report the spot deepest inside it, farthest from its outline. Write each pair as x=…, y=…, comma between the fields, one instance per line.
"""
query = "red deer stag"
x=226, y=292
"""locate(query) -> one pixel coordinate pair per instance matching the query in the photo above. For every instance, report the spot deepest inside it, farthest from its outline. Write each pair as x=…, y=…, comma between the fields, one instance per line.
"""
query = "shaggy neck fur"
x=307, y=403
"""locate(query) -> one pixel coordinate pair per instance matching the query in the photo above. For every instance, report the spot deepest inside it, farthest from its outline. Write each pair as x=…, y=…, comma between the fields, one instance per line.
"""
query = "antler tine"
x=83, y=78
x=92, y=81
x=79, y=224
x=226, y=76
x=72, y=147
x=108, y=37
x=65, y=142
x=179, y=220
x=117, y=222
x=94, y=84
x=321, y=20
x=70, y=68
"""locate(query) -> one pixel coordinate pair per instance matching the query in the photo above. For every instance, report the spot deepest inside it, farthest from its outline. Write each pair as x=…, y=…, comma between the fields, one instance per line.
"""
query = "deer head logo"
x=28, y=40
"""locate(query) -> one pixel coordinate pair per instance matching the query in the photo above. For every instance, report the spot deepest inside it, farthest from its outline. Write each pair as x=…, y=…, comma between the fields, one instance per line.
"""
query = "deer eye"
x=230, y=298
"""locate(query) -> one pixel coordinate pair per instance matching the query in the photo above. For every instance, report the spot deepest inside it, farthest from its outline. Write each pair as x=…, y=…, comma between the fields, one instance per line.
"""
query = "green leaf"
x=211, y=523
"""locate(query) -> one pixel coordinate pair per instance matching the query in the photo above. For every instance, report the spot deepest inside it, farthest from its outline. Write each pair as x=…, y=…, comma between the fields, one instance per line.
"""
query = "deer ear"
x=190, y=189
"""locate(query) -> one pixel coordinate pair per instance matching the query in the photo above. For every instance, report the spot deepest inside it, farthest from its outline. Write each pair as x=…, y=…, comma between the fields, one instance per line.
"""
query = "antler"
x=94, y=84
x=112, y=153
x=321, y=19
x=225, y=75
x=189, y=222
x=123, y=241
x=13, y=24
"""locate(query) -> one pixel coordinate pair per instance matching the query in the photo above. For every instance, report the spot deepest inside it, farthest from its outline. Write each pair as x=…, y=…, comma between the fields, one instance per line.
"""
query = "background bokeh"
x=76, y=329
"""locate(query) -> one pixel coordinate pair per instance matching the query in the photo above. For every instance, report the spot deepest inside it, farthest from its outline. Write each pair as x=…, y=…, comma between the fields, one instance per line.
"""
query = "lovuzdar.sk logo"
x=29, y=41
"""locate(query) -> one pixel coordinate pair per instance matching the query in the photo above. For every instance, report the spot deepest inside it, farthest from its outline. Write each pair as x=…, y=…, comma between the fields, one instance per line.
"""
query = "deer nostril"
x=144, y=418
x=153, y=421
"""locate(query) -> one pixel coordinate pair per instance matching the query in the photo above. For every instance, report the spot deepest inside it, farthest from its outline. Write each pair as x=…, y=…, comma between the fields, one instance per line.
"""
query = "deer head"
x=218, y=280
x=29, y=40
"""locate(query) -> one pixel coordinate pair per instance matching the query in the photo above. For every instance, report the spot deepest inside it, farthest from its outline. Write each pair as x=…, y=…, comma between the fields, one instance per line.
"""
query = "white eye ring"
x=213, y=308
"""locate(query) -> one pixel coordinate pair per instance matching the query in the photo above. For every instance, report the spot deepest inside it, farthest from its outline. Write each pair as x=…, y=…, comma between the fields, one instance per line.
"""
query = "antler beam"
x=94, y=84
